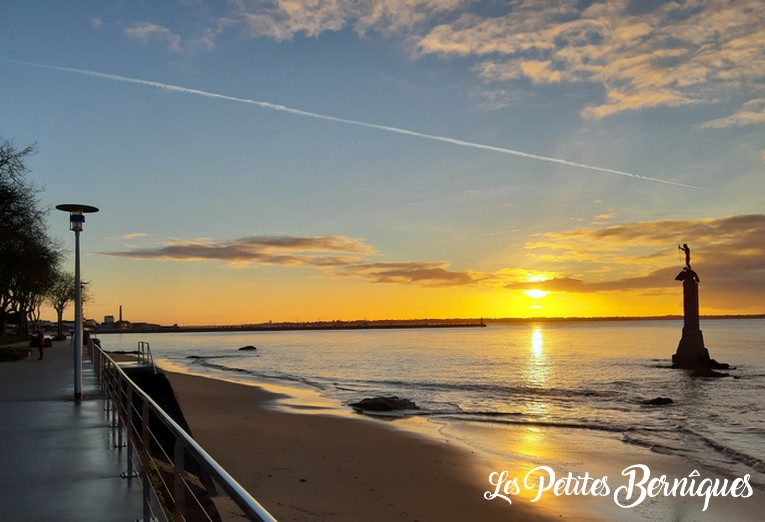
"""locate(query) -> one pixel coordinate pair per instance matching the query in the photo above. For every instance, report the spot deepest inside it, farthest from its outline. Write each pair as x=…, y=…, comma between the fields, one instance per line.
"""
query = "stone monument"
x=691, y=353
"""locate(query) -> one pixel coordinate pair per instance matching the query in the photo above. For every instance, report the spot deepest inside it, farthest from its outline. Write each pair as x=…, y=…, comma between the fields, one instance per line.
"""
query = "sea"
x=589, y=376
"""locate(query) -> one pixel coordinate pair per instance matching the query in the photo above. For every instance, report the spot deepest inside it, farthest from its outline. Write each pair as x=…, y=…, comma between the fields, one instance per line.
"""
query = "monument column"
x=691, y=353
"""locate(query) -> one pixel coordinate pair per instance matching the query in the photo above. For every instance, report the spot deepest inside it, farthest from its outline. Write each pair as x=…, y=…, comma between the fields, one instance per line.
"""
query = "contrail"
x=386, y=128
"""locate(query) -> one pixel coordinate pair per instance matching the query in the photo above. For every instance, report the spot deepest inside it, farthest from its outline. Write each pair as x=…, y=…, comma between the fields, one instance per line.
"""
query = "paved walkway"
x=57, y=460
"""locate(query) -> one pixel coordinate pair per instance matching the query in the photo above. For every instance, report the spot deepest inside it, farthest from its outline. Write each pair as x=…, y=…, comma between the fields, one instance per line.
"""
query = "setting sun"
x=535, y=293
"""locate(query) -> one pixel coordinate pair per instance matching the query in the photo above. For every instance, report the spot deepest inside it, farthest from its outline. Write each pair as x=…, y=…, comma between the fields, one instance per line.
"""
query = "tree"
x=28, y=257
x=61, y=292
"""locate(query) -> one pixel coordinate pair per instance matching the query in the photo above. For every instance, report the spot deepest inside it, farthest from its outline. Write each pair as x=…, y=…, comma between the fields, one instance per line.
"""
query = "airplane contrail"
x=386, y=128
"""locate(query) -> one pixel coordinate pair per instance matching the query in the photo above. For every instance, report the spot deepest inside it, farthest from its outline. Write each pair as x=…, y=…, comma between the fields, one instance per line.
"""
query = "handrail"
x=144, y=355
x=118, y=387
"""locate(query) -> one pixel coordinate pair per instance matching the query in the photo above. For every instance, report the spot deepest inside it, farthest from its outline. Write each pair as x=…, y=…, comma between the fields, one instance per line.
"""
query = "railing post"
x=146, y=461
x=146, y=495
x=121, y=410
x=179, y=489
x=106, y=388
x=131, y=435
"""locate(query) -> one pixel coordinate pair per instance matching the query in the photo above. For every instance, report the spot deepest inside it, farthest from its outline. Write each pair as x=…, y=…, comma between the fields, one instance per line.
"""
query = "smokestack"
x=120, y=313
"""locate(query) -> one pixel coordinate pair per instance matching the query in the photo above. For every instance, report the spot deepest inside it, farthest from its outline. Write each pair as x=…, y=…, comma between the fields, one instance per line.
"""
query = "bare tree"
x=28, y=257
x=61, y=292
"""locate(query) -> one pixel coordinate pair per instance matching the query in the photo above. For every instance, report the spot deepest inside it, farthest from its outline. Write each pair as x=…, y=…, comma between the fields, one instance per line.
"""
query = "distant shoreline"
x=396, y=324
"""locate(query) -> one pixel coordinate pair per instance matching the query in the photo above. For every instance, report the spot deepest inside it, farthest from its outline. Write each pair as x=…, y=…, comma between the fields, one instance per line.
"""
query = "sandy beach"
x=325, y=467
x=316, y=465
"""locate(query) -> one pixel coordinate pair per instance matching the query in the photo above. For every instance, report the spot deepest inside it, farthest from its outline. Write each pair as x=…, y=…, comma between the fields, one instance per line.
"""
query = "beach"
x=325, y=467
x=313, y=465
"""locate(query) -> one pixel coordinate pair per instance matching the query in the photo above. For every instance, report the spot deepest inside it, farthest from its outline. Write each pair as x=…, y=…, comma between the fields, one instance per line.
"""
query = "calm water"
x=588, y=376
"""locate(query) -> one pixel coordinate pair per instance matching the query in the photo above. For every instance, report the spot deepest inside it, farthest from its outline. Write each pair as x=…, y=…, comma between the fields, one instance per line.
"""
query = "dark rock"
x=248, y=348
x=718, y=365
x=390, y=403
x=708, y=372
x=659, y=401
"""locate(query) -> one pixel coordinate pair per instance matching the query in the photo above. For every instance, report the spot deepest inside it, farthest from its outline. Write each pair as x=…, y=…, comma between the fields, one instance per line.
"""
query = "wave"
x=493, y=390
x=227, y=356
x=205, y=361
x=520, y=419
x=733, y=454
x=483, y=389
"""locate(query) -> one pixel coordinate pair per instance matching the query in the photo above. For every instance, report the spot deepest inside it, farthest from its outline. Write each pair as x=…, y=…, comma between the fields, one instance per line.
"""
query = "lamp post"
x=76, y=221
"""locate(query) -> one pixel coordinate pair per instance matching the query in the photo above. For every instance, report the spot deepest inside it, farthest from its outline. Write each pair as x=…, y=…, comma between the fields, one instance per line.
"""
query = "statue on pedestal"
x=691, y=353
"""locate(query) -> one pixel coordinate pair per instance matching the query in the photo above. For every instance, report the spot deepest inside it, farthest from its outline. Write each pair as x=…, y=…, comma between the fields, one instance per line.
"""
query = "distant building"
x=122, y=325
x=109, y=321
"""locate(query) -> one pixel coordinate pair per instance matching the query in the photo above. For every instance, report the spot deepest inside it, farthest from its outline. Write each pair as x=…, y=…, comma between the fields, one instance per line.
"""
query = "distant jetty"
x=126, y=327
x=291, y=326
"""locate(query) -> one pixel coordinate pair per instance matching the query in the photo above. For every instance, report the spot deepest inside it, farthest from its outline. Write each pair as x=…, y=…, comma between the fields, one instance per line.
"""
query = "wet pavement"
x=57, y=457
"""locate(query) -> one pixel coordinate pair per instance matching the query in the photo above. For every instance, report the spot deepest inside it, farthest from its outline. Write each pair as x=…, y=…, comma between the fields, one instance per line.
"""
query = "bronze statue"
x=685, y=248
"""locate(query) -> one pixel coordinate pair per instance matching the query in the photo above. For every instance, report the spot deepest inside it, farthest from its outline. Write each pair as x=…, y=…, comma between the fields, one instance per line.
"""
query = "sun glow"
x=535, y=293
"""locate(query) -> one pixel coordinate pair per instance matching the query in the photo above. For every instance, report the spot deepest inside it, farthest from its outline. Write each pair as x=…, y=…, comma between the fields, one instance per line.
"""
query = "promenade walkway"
x=57, y=460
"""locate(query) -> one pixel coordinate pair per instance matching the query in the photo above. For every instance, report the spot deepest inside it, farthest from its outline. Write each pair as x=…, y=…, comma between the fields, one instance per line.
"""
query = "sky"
x=285, y=160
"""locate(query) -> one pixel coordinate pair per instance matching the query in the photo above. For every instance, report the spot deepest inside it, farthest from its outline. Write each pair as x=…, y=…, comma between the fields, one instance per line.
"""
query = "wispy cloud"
x=147, y=32
x=663, y=54
x=337, y=256
x=411, y=272
x=384, y=128
x=640, y=256
x=283, y=19
x=132, y=235
x=752, y=112
x=729, y=253
x=318, y=251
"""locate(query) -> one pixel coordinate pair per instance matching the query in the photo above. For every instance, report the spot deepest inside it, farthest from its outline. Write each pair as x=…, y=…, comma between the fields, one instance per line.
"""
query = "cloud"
x=338, y=256
x=751, y=112
x=147, y=32
x=417, y=272
x=96, y=22
x=283, y=19
x=132, y=235
x=668, y=54
x=728, y=252
x=634, y=54
x=602, y=219
x=656, y=279
x=319, y=251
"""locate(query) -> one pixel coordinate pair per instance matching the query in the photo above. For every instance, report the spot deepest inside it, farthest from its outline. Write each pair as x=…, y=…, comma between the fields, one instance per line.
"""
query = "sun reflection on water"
x=538, y=364
x=537, y=342
x=537, y=375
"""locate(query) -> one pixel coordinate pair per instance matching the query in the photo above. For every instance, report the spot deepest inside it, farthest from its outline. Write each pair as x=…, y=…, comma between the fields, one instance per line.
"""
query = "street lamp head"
x=76, y=214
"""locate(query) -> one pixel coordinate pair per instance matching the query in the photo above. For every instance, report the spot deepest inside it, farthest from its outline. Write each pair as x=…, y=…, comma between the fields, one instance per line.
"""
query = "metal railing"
x=144, y=355
x=178, y=477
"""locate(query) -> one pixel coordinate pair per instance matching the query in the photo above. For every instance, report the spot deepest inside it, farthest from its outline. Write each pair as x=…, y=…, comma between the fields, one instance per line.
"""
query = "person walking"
x=40, y=342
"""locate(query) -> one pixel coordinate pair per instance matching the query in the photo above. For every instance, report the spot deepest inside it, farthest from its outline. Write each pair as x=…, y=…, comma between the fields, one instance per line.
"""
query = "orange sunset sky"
x=302, y=161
